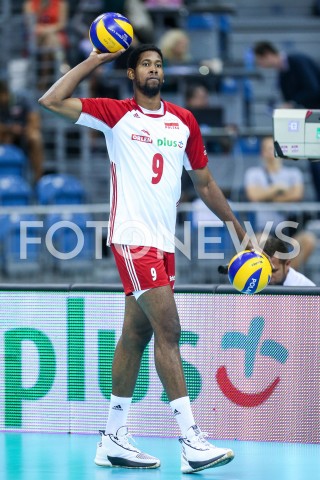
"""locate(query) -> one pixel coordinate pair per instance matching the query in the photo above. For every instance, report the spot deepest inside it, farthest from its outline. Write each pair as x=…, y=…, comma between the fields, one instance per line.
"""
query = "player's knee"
x=170, y=333
x=137, y=339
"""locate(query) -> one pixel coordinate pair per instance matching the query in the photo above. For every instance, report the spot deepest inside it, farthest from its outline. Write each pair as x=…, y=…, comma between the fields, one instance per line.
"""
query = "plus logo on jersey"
x=250, y=344
x=166, y=142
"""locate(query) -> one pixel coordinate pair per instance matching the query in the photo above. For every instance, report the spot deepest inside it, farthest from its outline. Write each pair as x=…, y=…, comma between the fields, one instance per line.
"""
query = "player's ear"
x=130, y=73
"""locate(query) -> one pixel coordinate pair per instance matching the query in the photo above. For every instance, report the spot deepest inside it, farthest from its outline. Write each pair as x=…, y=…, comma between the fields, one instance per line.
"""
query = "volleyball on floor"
x=111, y=32
x=249, y=271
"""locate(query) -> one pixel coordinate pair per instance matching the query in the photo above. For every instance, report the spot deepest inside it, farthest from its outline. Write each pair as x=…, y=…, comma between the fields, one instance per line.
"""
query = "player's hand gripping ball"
x=249, y=271
x=111, y=32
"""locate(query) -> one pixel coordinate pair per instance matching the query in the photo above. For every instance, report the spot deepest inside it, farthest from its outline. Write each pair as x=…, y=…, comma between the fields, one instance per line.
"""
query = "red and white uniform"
x=147, y=153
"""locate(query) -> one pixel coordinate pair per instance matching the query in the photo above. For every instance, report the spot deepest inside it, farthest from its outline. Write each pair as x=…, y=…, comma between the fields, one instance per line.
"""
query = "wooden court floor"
x=31, y=456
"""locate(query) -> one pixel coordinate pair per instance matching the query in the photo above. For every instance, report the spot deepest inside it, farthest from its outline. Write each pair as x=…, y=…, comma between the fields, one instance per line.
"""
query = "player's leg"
x=136, y=334
x=115, y=448
x=159, y=306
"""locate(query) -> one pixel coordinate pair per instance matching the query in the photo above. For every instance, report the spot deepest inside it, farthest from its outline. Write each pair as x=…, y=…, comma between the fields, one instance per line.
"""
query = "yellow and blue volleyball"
x=249, y=271
x=111, y=32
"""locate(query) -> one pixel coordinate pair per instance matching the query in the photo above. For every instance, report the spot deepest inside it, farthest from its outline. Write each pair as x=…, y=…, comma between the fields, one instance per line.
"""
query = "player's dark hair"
x=134, y=56
x=273, y=245
x=263, y=48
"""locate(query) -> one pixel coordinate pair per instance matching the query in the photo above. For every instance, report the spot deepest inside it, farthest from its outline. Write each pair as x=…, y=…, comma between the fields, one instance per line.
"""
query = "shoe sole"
x=227, y=458
x=110, y=465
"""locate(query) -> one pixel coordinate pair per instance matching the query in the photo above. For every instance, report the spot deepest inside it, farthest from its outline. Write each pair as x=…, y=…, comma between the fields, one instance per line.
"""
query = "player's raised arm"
x=58, y=99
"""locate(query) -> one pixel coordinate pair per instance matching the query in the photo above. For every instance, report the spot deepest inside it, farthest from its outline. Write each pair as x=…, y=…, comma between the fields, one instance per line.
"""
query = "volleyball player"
x=149, y=141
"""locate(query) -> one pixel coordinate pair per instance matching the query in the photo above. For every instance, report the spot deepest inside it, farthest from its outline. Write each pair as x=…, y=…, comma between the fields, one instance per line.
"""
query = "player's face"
x=279, y=271
x=148, y=75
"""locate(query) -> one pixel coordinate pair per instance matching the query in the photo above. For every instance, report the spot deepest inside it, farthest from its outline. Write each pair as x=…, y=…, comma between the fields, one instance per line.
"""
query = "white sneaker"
x=117, y=451
x=198, y=453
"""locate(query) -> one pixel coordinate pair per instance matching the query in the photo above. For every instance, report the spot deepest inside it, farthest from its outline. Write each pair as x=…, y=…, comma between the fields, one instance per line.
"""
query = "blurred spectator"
x=282, y=272
x=299, y=83
x=273, y=182
x=208, y=116
x=20, y=125
x=174, y=45
x=298, y=75
x=47, y=20
x=197, y=96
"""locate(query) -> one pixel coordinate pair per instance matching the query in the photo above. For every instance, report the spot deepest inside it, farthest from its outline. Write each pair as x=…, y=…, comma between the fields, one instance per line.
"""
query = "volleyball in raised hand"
x=111, y=32
x=249, y=271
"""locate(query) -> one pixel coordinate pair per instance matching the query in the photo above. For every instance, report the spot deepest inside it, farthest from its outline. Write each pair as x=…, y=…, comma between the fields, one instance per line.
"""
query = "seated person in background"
x=20, y=125
x=47, y=20
x=273, y=182
x=299, y=84
x=174, y=45
x=298, y=75
x=282, y=272
x=198, y=101
x=197, y=96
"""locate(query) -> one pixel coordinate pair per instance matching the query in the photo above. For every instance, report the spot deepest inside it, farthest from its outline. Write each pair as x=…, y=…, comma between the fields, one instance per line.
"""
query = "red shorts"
x=142, y=268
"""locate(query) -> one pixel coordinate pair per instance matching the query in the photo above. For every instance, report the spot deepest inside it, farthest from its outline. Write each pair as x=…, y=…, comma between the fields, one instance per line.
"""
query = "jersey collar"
x=155, y=115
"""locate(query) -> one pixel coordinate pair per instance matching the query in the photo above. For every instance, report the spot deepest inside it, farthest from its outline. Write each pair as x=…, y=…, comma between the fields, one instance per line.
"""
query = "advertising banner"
x=252, y=364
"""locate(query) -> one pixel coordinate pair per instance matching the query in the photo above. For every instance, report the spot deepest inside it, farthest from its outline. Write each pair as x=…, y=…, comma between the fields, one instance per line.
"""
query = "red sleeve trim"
x=107, y=110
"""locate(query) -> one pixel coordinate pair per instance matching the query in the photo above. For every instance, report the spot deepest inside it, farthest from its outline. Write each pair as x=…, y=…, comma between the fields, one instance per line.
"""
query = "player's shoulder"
x=107, y=107
x=182, y=113
x=126, y=103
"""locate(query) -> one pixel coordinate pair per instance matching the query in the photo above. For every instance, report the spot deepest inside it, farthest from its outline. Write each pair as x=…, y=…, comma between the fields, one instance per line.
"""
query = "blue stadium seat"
x=60, y=189
x=14, y=190
x=211, y=227
x=19, y=254
x=63, y=239
x=249, y=145
x=12, y=160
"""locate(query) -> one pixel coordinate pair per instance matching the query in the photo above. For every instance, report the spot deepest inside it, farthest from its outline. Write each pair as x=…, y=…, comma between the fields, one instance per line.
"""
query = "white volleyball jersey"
x=147, y=153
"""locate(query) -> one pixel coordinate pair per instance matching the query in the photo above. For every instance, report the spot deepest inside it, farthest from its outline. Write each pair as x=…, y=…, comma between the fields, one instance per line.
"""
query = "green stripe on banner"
x=76, y=349
x=15, y=392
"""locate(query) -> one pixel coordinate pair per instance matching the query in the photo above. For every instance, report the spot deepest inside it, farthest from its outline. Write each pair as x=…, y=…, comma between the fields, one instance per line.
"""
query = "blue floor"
x=31, y=456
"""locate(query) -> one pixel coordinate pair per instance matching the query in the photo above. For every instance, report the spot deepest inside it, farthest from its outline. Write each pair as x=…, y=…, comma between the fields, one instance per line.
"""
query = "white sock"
x=118, y=413
x=182, y=412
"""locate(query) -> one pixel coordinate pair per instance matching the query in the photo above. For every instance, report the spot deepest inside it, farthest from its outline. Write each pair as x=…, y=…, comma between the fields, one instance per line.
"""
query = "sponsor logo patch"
x=141, y=138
